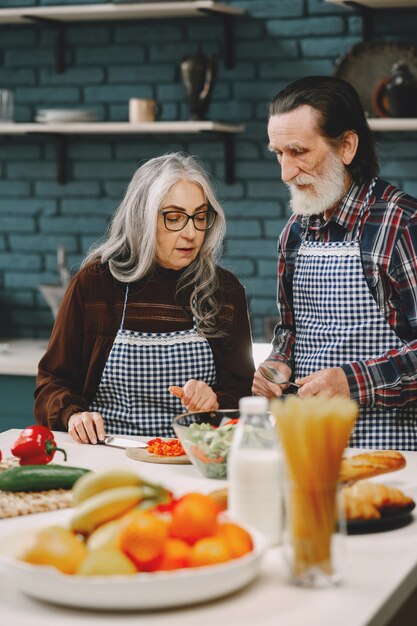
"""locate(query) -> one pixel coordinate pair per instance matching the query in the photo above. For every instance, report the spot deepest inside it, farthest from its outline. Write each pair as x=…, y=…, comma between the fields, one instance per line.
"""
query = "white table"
x=380, y=569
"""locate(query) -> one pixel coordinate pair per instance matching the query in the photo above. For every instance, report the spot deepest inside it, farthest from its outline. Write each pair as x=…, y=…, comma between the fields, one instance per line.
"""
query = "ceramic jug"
x=197, y=72
x=396, y=96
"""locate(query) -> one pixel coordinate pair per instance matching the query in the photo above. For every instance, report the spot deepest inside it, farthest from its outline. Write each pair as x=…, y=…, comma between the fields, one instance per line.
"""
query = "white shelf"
x=378, y=4
x=60, y=131
x=122, y=128
x=385, y=124
x=128, y=11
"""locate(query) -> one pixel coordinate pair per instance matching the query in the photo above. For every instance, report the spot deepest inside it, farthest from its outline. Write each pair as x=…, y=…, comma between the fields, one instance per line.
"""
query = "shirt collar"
x=348, y=210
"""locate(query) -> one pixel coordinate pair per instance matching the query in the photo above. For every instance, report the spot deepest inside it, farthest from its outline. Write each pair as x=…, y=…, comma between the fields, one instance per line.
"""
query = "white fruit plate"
x=157, y=590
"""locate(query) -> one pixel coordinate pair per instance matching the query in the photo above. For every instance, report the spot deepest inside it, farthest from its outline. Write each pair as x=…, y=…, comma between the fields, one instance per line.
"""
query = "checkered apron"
x=338, y=321
x=133, y=395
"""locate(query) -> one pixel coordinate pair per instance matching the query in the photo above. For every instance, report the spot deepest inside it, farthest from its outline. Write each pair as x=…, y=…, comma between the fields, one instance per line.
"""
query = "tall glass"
x=313, y=432
x=314, y=528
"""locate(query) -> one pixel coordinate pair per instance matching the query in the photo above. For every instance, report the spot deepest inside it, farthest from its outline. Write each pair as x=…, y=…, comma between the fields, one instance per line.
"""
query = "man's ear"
x=349, y=146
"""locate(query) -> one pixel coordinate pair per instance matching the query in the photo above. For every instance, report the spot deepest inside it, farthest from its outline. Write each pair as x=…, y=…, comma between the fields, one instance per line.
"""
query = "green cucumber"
x=40, y=477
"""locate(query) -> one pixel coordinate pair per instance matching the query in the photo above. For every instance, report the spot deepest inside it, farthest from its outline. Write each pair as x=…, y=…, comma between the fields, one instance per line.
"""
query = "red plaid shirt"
x=388, y=246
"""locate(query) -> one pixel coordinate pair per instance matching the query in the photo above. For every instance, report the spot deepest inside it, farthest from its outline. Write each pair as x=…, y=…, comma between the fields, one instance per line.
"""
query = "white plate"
x=156, y=590
x=64, y=115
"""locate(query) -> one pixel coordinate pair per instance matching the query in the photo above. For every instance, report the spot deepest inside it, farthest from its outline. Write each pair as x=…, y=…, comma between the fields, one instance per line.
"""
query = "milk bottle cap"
x=253, y=404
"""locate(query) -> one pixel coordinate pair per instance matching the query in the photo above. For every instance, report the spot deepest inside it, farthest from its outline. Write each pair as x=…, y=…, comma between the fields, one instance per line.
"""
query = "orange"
x=56, y=546
x=209, y=551
x=142, y=538
x=194, y=517
x=177, y=554
x=238, y=540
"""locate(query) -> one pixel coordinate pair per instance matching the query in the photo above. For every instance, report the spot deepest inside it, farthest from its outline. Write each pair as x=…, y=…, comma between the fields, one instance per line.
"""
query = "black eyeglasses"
x=177, y=220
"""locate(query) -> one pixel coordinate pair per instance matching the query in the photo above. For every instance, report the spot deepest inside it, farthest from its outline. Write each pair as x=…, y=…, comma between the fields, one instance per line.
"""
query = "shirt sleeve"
x=391, y=379
x=233, y=357
x=59, y=384
x=284, y=333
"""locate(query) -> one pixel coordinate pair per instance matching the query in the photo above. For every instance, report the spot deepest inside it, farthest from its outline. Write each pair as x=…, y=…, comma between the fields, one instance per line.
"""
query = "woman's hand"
x=196, y=395
x=86, y=427
x=262, y=387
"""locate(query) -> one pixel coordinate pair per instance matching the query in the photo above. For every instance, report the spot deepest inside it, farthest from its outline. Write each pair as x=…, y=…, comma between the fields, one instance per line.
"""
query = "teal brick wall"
x=108, y=63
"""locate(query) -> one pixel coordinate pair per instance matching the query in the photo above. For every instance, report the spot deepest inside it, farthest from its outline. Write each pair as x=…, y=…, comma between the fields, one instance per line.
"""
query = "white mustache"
x=302, y=179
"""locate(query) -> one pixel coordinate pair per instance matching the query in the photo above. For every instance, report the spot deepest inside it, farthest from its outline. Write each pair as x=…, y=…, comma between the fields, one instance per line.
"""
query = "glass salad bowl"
x=206, y=438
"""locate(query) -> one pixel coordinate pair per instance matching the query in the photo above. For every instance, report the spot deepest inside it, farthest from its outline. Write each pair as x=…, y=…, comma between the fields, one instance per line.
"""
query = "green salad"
x=209, y=447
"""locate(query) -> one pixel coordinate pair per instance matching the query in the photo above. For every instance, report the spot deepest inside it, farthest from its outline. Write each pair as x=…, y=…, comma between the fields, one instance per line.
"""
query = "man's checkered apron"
x=338, y=321
x=133, y=395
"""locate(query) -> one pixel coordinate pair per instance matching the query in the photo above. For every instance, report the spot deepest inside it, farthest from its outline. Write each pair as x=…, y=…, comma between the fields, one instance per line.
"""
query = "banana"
x=94, y=482
x=103, y=507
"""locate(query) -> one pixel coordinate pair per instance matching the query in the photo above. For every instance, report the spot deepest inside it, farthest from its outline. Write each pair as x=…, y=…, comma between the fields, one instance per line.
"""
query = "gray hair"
x=130, y=244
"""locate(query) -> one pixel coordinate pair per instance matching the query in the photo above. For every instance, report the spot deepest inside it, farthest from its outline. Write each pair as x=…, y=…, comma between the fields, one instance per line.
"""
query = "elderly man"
x=347, y=265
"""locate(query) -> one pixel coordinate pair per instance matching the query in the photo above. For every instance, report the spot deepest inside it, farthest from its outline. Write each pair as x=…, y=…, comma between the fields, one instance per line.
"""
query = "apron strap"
x=365, y=204
x=122, y=323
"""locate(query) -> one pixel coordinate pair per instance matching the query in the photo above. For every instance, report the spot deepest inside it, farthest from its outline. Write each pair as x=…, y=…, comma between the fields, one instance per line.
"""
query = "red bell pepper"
x=36, y=446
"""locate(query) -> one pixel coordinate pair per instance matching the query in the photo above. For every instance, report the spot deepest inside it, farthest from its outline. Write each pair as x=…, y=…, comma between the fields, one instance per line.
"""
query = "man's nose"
x=289, y=169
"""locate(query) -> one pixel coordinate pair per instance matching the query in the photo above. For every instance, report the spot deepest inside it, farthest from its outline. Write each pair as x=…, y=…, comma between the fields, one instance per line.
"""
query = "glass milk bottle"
x=254, y=471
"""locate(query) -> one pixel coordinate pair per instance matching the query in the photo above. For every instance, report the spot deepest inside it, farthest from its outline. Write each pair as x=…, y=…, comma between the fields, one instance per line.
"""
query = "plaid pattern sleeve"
x=391, y=379
x=284, y=334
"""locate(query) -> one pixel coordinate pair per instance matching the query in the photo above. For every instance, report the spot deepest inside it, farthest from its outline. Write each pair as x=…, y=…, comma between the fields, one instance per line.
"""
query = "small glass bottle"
x=255, y=471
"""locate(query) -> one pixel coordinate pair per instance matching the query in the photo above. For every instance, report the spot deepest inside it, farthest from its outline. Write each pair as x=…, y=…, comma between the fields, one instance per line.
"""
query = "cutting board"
x=142, y=454
x=14, y=503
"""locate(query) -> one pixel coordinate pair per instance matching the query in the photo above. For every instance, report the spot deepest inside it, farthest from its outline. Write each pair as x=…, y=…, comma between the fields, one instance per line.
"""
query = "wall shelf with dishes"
x=372, y=66
x=58, y=17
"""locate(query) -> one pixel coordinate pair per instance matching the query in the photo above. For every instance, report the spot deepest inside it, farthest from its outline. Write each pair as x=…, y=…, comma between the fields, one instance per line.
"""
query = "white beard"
x=324, y=192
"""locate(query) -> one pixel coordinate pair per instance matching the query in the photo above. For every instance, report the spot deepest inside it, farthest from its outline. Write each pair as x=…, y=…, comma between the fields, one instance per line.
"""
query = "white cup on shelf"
x=142, y=110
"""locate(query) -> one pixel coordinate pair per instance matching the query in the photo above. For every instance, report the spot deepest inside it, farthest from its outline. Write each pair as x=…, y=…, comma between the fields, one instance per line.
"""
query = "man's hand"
x=262, y=387
x=86, y=427
x=329, y=382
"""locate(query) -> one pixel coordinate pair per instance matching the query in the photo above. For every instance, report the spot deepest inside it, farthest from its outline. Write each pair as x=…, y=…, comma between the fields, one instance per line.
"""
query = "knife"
x=119, y=442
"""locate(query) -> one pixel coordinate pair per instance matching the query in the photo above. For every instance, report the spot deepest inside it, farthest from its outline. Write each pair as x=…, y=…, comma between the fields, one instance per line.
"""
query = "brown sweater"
x=88, y=321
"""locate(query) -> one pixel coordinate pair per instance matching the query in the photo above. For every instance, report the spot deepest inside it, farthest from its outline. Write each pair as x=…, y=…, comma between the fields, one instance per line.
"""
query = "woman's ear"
x=349, y=146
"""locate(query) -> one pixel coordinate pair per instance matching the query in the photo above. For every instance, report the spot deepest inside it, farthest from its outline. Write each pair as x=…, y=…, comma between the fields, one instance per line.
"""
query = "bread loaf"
x=367, y=500
x=370, y=464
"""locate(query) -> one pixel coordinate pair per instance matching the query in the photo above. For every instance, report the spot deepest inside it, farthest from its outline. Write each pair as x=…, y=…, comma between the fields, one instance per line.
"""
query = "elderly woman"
x=149, y=315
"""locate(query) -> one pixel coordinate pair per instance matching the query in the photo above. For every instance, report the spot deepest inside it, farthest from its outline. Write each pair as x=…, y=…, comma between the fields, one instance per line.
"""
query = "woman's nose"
x=189, y=231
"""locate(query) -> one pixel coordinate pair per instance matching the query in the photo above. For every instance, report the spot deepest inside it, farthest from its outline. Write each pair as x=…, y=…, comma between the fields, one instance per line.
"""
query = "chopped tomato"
x=171, y=447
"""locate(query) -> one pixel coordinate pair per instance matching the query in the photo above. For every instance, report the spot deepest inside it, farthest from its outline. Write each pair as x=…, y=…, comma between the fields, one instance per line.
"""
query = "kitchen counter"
x=20, y=357
x=380, y=569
